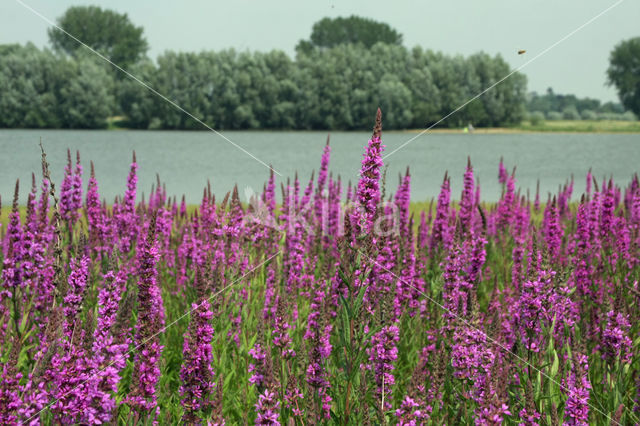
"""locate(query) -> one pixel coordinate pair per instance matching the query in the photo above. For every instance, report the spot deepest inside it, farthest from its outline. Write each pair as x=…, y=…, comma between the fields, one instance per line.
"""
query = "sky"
x=577, y=65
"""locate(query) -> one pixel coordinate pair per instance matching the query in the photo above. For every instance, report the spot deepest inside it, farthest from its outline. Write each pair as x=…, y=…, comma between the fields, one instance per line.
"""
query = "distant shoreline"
x=559, y=126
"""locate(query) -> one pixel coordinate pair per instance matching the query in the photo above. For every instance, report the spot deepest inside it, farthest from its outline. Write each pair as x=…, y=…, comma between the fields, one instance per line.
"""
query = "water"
x=186, y=160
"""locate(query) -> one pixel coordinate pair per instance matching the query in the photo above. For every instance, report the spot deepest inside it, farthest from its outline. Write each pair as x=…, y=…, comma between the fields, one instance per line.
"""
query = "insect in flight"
x=520, y=52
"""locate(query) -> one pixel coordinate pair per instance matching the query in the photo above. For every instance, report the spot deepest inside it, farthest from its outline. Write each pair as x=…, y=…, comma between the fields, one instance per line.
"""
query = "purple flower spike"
x=368, y=191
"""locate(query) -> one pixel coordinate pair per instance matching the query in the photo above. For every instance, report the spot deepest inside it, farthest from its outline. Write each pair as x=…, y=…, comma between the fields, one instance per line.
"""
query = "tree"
x=106, y=31
x=30, y=83
x=328, y=33
x=86, y=100
x=43, y=90
x=624, y=73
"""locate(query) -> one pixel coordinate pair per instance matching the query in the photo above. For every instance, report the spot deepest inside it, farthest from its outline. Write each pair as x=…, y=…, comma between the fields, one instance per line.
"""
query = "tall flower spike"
x=196, y=372
x=146, y=371
x=577, y=407
x=368, y=191
x=467, y=198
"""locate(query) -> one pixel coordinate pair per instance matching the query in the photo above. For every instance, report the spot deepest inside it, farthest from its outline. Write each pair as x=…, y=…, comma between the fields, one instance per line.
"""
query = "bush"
x=614, y=116
x=589, y=114
x=570, y=113
x=536, y=118
x=554, y=115
x=628, y=116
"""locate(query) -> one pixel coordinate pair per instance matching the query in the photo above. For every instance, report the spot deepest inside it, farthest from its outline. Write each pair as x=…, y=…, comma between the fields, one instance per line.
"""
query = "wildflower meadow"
x=320, y=302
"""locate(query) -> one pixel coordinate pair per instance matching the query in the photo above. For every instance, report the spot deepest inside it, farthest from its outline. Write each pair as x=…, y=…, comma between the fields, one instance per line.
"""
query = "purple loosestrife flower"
x=607, y=211
x=294, y=397
x=536, y=202
x=257, y=366
x=506, y=205
x=295, y=256
x=31, y=247
x=476, y=258
x=382, y=354
x=381, y=280
x=67, y=211
x=453, y=294
x=335, y=211
x=467, y=199
x=491, y=413
x=146, y=370
x=533, y=310
x=616, y=343
x=410, y=285
x=267, y=409
x=317, y=337
x=10, y=399
x=472, y=358
x=11, y=270
x=305, y=202
x=70, y=381
x=634, y=205
x=317, y=334
x=553, y=232
x=520, y=236
x=441, y=232
x=577, y=407
x=95, y=215
x=423, y=231
x=270, y=302
x=503, y=176
x=409, y=413
x=126, y=217
x=270, y=193
x=75, y=295
x=280, y=334
x=403, y=200
x=296, y=191
x=529, y=419
x=109, y=350
x=368, y=192
x=320, y=198
x=196, y=372
x=582, y=267
x=183, y=208
x=76, y=194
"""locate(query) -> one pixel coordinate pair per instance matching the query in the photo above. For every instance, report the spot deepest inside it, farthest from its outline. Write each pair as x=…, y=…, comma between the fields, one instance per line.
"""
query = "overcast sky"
x=464, y=27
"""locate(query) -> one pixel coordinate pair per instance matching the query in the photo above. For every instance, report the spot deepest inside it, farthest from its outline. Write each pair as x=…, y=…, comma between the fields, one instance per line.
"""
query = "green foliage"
x=588, y=114
x=536, y=118
x=328, y=33
x=554, y=115
x=351, y=67
x=624, y=73
x=570, y=113
x=570, y=107
x=110, y=33
x=42, y=90
x=334, y=88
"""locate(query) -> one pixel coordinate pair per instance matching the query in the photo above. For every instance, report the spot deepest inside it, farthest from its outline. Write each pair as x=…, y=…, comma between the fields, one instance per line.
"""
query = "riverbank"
x=555, y=126
x=559, y=126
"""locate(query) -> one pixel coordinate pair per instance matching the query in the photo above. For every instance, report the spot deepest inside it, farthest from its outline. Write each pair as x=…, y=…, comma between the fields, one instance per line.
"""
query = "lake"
x=186, y=160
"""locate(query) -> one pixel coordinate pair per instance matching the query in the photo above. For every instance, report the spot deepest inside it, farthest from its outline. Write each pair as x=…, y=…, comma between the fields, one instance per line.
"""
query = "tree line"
x=555, y=106
x=344, y=71
x=336, y=88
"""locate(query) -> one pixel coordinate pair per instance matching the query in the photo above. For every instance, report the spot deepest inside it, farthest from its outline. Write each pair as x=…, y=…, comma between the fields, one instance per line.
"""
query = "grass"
x=551, y=126
x=557, y=126
x=582, y=126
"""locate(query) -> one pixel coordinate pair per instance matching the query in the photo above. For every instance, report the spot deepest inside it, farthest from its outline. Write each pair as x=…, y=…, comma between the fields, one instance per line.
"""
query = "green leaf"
x=555, y=364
